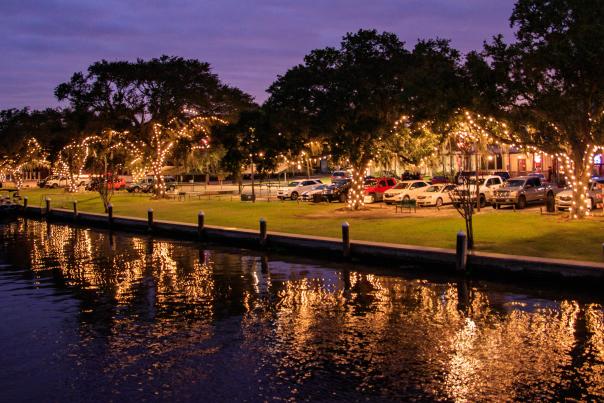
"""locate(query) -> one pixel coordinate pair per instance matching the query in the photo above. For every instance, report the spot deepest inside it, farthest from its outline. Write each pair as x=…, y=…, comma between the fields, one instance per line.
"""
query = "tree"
x=151, y=100
x=349, y=96
x=51, y=127
x=29, y=155
x=71, y=162
x=254, y=141
x=107, y=152
x=464, y=204
x=549, y=83
x=408, y=142
x=153, y=149
x=352, y=98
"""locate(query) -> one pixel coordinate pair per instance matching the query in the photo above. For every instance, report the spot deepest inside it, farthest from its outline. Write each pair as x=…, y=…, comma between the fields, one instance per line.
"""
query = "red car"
x=118, y=183
x=375, y=188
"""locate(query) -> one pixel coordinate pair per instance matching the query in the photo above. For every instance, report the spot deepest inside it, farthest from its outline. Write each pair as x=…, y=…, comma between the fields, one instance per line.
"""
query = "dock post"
x=25, y=203
x=110, y=214
x=461, y=254
x=150, y=220
x=47, y=206
x=263, y=232
x=346, y=239
x=75, y=209
x=200, y=224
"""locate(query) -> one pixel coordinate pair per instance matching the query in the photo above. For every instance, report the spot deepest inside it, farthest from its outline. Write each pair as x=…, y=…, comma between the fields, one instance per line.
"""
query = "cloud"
x=247, y=42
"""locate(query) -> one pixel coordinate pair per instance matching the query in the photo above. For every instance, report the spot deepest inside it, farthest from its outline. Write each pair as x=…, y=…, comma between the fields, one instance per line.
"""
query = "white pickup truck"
x=56, y=181
x=486, y=188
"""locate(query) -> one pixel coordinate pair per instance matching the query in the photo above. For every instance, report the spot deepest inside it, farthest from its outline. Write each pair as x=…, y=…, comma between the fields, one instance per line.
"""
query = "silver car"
x=294, y=189
x=564, y=199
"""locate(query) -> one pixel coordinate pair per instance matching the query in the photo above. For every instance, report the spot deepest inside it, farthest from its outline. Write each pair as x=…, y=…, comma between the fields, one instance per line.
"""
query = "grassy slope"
x=523, y=233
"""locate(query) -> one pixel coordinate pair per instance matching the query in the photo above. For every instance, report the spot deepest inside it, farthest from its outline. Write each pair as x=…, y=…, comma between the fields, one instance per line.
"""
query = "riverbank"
x=479, y=264
x=497, y=231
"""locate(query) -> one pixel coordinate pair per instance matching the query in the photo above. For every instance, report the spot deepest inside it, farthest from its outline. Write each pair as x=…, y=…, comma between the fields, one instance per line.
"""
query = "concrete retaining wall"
x=384, y=254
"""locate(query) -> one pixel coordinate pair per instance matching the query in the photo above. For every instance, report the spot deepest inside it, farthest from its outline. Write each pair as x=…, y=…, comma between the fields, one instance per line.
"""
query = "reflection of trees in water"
x=411, y=335
x=160, y=306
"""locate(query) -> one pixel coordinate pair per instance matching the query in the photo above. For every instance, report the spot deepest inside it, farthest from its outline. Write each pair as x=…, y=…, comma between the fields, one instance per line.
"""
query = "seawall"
x=481, y=264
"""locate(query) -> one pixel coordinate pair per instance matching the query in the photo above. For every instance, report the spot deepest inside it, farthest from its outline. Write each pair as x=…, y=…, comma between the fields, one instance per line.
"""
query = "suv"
x=375, y=188
x=404, y=191
x=295, y=188
x=486, y=186
x=564, y=199
x=521, y=191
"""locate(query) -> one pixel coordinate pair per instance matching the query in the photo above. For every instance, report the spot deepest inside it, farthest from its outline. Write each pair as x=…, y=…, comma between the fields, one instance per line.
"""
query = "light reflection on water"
x=91, y=316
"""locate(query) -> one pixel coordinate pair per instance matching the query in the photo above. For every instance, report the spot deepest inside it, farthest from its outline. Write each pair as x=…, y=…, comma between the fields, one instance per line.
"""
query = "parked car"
x=504, y=175
x=564, y=199
x=486, y=186
x=316, y=189
x=439, y=179
x=42, y=182
x=118, y=183
x=338, y=190
x=294, y=189
x=521, y=191
x=404, y=190
x=55, y=181
x=170, y=183
x=336, y=175
x=435, y=195
x=141, y=186
x=375, y=188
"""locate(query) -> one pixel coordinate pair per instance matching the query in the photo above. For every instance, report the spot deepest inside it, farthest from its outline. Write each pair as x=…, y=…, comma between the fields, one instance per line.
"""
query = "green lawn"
x=505, y=231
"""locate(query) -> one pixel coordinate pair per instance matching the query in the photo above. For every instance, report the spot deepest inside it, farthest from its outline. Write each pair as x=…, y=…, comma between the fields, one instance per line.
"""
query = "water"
x=89, y=316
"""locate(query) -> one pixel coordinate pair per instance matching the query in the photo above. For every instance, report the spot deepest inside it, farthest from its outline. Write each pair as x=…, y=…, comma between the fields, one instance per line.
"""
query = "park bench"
x=406, y=205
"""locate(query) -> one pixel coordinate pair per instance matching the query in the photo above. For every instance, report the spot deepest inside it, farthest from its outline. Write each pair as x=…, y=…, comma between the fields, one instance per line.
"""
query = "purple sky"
x=248, y=42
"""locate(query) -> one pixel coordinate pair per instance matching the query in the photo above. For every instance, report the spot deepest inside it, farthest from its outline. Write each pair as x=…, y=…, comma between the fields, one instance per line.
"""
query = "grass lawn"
x=505, y=231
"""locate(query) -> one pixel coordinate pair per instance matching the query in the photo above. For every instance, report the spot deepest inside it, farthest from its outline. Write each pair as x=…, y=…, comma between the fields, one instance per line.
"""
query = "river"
x=91, y=316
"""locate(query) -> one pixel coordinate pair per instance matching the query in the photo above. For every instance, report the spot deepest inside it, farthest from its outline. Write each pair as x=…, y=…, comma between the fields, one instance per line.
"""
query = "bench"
x=406, y=205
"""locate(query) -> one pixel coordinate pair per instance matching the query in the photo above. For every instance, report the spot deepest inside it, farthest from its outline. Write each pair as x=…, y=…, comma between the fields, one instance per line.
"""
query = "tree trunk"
x=18, y=179
x=159, y=187
x=477, y=185
x=239, y=181
x=356, y=194
x=253, y=189
x=578, y=174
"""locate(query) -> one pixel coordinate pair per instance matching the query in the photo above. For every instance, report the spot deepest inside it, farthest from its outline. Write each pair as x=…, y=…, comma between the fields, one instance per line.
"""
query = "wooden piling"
x=461, y=252
x=346, y=239
x=110, y=214
x=262, y=232
x=150, y=220
x=200, y=224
